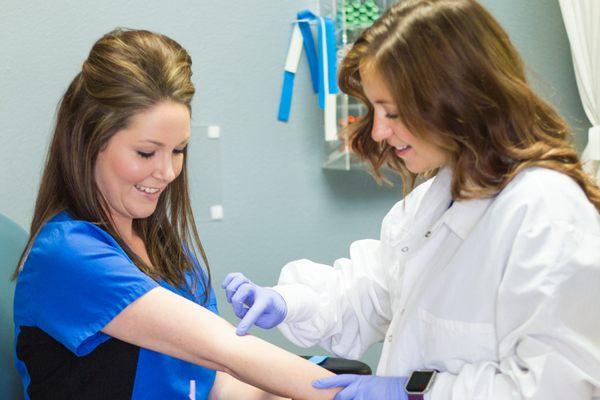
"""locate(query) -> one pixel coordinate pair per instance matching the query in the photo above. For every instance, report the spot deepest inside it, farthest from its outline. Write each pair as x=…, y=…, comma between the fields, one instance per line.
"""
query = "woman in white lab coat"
x=488, y=273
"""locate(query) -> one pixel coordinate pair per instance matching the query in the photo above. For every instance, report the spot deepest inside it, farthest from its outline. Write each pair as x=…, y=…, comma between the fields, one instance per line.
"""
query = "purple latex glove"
x=365, y=387
x=254, y=304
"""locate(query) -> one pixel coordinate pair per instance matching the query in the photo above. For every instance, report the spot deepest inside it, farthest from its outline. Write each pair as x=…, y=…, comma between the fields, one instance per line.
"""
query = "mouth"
x=402, y=150
x=149, y=191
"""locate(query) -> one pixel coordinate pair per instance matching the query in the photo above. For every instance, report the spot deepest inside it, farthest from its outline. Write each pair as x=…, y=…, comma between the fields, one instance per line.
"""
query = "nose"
x=165, y=171
x=380, y=130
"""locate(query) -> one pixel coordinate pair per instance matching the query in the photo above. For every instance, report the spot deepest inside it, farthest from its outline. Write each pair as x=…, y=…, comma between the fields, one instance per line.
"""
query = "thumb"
x=335, y=381
x=250, y=318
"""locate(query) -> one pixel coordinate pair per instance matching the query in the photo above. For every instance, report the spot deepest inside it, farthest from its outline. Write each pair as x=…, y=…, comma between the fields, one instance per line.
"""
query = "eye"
x=145, y=155
x=391, y=116
x=179, y=151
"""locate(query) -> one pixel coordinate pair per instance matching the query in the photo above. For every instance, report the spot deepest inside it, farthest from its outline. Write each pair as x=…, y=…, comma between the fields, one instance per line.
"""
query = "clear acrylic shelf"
x=351, y=18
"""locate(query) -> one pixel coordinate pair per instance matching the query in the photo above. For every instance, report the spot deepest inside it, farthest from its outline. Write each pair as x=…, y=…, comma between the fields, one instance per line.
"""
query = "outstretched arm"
x=167, y=323
x=227, y=387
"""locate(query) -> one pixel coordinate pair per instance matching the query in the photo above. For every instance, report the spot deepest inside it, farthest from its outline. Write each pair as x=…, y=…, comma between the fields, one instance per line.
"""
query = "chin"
x=142, y=214
x=421, y=169
x=416, y=170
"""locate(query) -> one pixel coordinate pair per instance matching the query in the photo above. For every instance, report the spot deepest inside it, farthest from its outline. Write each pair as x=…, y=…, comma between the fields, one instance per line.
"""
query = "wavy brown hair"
x=458, y=81
x=126, y=72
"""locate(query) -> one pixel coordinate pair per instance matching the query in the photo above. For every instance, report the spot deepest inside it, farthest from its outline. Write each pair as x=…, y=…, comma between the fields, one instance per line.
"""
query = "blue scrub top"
x=75, y=280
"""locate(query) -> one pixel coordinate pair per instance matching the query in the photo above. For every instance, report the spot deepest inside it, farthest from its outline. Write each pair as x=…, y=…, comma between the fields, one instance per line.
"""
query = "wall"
x=279, y=204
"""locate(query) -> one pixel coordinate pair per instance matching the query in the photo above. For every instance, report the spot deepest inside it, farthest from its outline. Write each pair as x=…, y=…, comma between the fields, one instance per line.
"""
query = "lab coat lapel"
x=431, y=208
x=464, y=215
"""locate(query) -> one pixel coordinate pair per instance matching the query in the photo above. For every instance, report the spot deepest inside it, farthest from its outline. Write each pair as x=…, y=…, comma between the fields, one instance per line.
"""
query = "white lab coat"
x=502, y=295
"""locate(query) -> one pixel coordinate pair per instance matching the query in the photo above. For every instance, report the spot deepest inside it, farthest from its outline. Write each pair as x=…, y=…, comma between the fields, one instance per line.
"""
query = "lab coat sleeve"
x=344, y=309
x=547, y=322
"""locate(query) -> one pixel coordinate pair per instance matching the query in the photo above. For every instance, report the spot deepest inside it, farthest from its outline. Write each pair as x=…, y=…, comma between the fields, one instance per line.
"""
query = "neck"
x=124, y=227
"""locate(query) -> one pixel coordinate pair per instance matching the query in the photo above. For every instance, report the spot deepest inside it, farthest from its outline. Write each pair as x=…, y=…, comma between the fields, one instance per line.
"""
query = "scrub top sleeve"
x=82, y=280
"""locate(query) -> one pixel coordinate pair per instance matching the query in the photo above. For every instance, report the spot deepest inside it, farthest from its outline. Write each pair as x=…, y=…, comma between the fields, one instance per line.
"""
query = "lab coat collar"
x=462, y=217
x=431, y=208
x=436, y=200
x=433, y=212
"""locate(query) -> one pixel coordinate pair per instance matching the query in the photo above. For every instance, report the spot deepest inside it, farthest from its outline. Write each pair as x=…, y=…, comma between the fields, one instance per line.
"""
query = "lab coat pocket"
x=450, y=344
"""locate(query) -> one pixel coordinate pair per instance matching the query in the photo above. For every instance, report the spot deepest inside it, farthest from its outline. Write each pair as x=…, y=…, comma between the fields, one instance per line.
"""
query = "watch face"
x=419, y=381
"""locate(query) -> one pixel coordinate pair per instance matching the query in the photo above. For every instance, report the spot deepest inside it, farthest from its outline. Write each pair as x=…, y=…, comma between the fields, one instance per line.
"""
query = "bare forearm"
x=258, y=363
x=227, y=387
x=275, y=370
x=169, y=324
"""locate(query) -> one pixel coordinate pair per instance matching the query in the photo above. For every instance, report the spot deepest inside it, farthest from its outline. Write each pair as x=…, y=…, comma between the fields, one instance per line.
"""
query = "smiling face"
x=138, y=162
x=417, y=154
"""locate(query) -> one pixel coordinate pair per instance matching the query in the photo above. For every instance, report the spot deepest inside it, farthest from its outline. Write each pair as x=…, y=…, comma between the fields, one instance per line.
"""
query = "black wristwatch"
x=419, y=383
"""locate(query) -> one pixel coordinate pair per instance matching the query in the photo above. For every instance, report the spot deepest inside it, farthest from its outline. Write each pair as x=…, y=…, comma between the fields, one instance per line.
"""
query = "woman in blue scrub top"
x=111, y=301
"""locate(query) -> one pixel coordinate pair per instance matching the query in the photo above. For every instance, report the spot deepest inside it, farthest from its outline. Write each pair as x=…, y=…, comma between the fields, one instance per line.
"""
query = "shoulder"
x=536, y=178
x=68, y=260
x=64, y=237
x=552, y=230
x=542, y=194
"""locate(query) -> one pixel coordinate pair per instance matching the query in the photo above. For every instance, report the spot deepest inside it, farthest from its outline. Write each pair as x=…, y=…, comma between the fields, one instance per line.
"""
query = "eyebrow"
x=383, y=102
x=159, y=144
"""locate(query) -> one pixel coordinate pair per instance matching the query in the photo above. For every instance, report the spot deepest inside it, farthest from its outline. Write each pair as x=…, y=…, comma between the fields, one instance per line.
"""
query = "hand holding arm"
x=362, y=387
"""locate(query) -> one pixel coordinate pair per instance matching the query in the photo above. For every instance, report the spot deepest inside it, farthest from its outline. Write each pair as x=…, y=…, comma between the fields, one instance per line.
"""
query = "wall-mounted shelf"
x=351, y=18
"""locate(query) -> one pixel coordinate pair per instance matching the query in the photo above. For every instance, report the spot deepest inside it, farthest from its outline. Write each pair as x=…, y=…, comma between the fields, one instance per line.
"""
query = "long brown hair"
x=458, y=81
x=126, y=72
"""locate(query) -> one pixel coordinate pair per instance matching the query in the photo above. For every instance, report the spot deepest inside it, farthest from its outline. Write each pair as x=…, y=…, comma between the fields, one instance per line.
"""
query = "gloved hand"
x=365, y=387
x=254, y=304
